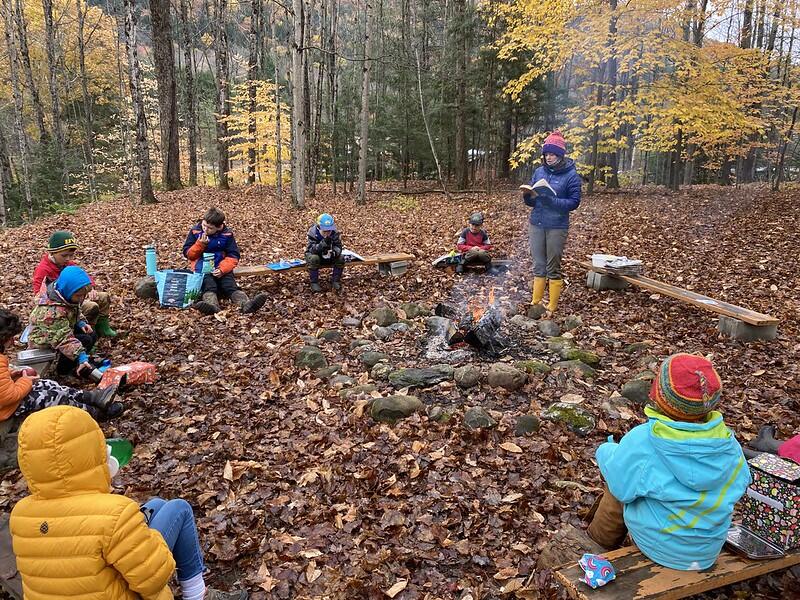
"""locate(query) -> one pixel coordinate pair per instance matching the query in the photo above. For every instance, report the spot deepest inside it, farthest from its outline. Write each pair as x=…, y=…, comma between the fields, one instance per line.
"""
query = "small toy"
x=598, y=571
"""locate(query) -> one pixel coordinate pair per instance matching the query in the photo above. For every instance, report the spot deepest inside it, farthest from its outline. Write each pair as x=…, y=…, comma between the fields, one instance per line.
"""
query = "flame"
x=477, y=305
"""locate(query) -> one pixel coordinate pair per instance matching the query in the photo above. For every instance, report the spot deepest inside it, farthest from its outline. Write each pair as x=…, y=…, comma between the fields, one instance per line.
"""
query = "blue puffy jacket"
x=679, y=483
x=553, y=213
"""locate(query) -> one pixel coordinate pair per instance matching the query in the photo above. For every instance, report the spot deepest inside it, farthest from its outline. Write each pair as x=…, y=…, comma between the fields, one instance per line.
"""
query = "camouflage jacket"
x=53, y=322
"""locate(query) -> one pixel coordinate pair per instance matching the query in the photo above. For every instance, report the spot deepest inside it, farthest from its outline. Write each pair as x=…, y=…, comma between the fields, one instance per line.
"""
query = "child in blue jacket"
x=672, y=483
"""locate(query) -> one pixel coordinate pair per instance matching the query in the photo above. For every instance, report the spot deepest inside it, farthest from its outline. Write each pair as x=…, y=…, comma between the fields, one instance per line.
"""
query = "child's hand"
x=203, y=239
x=216, y=273
x=30, y=377
x=87, y=329
x=84, y=366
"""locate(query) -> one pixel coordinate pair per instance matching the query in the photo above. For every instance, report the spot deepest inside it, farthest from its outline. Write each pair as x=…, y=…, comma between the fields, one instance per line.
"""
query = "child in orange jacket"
x=23, y=392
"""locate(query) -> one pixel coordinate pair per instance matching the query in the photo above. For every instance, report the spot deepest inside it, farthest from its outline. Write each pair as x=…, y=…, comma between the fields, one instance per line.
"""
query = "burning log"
x=478, y=326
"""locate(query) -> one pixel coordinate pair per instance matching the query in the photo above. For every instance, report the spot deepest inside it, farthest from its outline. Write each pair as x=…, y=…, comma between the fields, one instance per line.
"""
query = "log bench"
x=737, y=322
x=394, y=263
x=638, y=578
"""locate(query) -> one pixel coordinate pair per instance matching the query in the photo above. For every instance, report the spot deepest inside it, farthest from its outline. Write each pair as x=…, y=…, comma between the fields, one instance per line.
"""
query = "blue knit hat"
x=71, y=280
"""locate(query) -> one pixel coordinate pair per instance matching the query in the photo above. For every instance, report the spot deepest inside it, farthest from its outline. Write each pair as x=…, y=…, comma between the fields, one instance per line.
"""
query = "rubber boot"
x=100, y=398
x=246, y=305
x=336, y=279
x=313, y=275
x=460, y=268
x=103, y=327
x=539, y=284
x=208, y=304
x=556, y=286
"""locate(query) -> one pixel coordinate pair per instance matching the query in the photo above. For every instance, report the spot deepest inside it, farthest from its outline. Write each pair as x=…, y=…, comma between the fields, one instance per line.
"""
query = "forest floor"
x=299, y=493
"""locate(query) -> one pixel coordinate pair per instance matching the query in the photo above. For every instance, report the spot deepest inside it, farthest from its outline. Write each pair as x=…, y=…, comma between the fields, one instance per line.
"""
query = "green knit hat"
x=62, y=240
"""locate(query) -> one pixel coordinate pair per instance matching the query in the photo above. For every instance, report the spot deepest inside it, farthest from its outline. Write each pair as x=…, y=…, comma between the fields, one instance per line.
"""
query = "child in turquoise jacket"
x=672, y=483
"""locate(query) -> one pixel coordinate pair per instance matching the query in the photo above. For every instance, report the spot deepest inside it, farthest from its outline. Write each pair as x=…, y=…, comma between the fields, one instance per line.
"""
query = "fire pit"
x=478, y=326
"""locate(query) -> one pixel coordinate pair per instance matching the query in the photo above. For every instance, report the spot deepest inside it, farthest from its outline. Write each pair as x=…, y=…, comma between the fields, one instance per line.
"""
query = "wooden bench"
x=390, y=263
x=638, y=578
x=740, y=323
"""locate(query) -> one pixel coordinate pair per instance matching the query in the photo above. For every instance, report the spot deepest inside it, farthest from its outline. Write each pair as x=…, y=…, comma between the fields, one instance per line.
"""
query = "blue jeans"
x=174, y=519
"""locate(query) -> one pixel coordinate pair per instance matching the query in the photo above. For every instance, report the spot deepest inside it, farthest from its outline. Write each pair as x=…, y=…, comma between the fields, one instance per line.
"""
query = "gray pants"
x=547, y=248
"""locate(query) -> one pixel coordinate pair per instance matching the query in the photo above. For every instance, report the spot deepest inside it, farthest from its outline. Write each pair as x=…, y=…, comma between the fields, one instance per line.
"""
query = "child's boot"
x=765, y=441
x=556, y=285
x=103, y=327
x=539, y=284
x=313, y=275
x=101, y=398
x=208, y=304
x=336, y=282
x=246, y=305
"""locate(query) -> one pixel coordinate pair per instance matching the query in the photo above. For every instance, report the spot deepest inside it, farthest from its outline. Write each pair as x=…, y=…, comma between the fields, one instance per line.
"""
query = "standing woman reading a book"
x=554, y=191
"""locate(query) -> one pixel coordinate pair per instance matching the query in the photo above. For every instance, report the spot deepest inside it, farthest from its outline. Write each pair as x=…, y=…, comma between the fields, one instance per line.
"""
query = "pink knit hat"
x=555, y=144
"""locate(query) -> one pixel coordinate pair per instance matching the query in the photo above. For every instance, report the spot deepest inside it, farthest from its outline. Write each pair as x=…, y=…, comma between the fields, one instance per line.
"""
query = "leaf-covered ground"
x=299, y=494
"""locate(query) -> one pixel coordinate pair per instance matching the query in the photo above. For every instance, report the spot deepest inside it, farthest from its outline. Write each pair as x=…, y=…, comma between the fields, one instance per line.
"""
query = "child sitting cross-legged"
x=671, y=483
x=23, y=392
x=74, y=538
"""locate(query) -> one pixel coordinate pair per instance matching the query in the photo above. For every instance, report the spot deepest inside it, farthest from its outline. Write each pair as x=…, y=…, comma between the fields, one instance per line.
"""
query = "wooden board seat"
x=750, y=317
x=377, y=259
x=638, y=578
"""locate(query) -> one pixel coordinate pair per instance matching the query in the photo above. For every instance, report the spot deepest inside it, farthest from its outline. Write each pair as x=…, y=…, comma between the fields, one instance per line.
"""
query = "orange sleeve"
x=228, y=264
x=195, y=252
x=11, y=392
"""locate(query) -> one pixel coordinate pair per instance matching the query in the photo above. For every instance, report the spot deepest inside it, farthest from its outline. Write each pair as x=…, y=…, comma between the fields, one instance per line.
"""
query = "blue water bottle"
x=208, y=262
x=150, y=260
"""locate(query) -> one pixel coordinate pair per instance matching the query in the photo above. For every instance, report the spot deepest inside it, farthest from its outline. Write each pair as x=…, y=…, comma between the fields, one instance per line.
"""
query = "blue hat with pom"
x=71, y=280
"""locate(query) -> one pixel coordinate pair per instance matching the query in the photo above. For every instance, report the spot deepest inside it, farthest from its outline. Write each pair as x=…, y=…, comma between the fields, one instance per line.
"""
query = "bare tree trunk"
x=87, y=101
x=364, y=133
x=252, y=76
x=142, y=149
x=776, y=184
x=164, y=60
x=427, y=128
x=221, y=60
x=55, y=100
x=460, y=158
x=333, y=85
x=38, y=111
x=298, y=109
x=191, y=109
x=5, y=180
x=278, y=145
x=19, y=126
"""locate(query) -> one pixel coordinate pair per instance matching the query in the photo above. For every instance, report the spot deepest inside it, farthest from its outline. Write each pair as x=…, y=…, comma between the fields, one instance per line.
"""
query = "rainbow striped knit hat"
x=687, y=387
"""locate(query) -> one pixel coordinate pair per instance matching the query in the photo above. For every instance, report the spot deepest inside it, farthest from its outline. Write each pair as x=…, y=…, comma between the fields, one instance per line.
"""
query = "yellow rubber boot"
x=538, y=289
x=556, y=286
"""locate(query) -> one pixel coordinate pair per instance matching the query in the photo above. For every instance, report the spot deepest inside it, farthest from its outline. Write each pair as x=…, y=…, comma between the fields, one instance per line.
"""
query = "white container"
x=600, y=260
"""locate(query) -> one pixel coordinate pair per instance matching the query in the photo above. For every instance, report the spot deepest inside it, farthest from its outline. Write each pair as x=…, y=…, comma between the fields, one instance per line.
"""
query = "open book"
x=540, y=188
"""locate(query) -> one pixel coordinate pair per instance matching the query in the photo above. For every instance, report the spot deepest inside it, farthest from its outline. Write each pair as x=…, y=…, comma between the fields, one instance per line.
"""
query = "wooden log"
x=376, y=259
x=638, y=578
x=718, y=306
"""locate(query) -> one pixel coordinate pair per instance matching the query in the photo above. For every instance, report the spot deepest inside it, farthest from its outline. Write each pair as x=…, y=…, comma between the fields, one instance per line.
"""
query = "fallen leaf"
x=398, y=587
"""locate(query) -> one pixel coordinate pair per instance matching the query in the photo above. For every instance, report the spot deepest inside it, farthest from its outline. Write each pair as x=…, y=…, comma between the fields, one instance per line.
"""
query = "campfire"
x=478, y=325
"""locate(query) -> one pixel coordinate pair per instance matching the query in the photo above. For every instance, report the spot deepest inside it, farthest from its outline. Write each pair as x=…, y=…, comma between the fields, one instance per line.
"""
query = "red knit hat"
x=687, y=387
x=555, y=144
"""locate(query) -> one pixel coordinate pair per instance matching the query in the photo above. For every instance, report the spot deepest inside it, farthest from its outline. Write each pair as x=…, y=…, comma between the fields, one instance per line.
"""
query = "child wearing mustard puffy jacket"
x=74, y=538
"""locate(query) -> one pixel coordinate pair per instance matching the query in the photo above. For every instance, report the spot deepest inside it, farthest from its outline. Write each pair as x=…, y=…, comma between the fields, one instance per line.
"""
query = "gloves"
x=83, y=358
x=337, y=252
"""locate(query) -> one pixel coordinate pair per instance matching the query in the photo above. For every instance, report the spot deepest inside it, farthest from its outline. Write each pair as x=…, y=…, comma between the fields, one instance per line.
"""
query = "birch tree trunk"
x=164, y=60
x=38, y=111
x=55, y=100
x=298, y=109
x=135, y=77
x=252, y=75
x=278, y=144
x=221, y=60
x=19, y=127
x=87, y=100
x=460, y=158
x=191, y=109
x=364, y=131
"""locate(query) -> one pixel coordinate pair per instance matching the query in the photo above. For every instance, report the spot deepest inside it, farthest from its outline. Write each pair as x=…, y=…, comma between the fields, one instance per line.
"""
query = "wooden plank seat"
x=748, y=316
x=377, y=259
x=638, y=578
